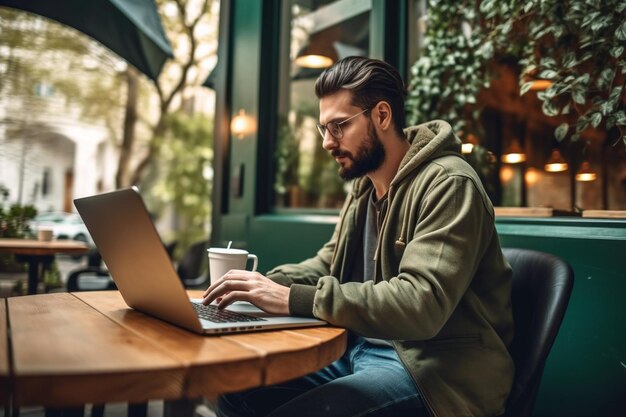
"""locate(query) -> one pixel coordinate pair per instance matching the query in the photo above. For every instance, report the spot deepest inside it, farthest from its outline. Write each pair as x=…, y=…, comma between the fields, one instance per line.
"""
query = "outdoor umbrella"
x=130, y=28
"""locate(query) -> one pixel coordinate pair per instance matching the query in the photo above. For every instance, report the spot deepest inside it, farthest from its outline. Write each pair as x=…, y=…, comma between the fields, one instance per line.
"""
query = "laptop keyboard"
x=214, y=314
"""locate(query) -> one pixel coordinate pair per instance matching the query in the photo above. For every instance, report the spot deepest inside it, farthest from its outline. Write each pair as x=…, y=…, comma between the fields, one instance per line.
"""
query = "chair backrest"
x=193, y=266
x=542, y=284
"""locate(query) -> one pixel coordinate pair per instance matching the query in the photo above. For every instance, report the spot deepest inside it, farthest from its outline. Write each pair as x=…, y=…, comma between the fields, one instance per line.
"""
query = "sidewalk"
x=155, y=409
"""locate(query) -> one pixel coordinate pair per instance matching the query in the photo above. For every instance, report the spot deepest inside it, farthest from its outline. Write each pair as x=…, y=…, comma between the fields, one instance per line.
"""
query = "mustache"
x=336, y=153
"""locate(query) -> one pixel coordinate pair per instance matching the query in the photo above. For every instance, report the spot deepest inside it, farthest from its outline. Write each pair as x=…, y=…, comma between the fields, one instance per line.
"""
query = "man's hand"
x=241, y=285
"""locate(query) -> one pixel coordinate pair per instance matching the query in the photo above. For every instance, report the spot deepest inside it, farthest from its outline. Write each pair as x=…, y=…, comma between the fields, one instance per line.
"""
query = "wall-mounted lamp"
x=242, y=124
x=514, y=154
x=585, y=173
x=556, y=163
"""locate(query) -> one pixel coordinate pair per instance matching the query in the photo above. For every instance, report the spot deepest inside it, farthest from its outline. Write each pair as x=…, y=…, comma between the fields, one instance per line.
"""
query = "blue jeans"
x=368, y=380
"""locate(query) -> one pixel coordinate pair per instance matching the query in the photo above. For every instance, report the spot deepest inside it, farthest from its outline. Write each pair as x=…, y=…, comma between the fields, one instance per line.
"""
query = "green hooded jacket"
x=442, y=291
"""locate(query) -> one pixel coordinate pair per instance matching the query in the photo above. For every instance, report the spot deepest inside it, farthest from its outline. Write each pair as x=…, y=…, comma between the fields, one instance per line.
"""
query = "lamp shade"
x=316, y=55
x=467, y=147
x=585, y=173
x=536, y=84
x=514, y=154
x=556, y=163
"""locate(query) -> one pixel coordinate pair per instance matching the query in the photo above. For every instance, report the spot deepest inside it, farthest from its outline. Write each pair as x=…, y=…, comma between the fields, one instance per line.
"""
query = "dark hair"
x=370, y=81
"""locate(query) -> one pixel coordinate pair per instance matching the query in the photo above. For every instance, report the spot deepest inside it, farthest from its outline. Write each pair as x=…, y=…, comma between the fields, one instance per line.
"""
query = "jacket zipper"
x=341, y=225
x=383, y=225
x=431, y=410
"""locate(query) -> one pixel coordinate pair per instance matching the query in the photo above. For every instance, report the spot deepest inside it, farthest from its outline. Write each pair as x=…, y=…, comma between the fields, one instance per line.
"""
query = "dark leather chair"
x=193, y=266
x=99, y=278
x=542, y=284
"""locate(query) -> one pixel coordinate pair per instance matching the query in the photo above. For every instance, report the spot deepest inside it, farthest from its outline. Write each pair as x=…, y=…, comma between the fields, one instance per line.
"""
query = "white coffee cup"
x=44, y=234
x=222, y=260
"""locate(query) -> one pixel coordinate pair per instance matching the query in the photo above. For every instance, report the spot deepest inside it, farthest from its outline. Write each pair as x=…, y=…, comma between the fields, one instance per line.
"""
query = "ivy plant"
x=576, y=44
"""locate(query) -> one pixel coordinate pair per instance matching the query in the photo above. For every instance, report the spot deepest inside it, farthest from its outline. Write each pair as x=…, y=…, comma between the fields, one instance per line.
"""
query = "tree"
x=141, y=115
x=186, y=23
x=40, y=59
x=184, y=182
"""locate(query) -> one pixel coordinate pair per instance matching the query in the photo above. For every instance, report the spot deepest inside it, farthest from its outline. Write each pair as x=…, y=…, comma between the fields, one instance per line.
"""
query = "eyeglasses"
x=334, y=128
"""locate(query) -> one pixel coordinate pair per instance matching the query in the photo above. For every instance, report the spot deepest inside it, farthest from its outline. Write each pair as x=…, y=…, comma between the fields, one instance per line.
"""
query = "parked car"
x=63, y=225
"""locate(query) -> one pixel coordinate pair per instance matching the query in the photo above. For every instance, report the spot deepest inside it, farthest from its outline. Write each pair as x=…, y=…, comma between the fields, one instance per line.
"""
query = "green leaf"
x=561, y=131
x=528, y=6
x=578, y=96
x=620, y=32
x=569, y=60
x=596, y=118
x=620, y=118
x=548, y=74
x=583, y=79
x=547, y=62
x=599, y=24
x=487, y=6
x=616, y=51
x=606, y=78
x=549, y=109
x=525, y=87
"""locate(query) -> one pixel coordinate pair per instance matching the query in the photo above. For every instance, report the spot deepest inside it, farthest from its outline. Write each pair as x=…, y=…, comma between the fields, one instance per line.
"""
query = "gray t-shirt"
x=375, y=212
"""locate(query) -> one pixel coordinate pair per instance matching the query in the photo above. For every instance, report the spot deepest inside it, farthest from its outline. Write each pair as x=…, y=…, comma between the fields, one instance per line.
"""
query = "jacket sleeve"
x=450, y=234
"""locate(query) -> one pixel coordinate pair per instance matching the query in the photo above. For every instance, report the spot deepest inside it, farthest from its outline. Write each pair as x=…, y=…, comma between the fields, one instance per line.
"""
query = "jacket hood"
x=428, y=141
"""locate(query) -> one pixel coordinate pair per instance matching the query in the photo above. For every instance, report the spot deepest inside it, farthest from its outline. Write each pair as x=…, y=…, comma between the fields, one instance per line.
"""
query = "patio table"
x=38, y=252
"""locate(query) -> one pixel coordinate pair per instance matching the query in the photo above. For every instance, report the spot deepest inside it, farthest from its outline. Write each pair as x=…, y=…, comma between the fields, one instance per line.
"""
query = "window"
x=318, y=33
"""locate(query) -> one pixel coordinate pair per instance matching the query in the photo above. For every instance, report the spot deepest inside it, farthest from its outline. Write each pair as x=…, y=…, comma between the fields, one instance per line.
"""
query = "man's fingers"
x=231, y=297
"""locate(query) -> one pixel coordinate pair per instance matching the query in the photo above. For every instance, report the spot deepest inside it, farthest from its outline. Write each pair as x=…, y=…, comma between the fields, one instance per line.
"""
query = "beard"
x=368, y=157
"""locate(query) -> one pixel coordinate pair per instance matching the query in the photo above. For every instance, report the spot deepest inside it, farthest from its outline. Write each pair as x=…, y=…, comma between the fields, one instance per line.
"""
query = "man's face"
x=359, y=151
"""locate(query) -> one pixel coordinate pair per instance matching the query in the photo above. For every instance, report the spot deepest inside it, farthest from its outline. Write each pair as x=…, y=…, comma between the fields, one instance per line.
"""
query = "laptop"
x=129, y=243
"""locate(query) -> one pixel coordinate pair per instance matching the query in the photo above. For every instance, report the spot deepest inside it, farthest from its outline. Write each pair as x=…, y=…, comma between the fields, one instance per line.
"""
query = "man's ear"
x=383, y=115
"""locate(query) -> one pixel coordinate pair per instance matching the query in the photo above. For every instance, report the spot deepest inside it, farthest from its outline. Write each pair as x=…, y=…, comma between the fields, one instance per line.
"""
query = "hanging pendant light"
x=585, y=173
x=467, y=147
x=514, y=154
x=316, y=54
x=536, y=84
x=556, y=163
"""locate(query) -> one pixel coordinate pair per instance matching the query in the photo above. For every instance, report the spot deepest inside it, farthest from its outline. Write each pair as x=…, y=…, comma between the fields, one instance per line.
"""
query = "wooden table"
x=38, y=252
x=68, y=349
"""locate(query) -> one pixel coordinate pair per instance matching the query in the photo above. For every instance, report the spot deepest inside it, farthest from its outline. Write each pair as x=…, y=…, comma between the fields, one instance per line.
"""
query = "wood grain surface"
x=90, y=347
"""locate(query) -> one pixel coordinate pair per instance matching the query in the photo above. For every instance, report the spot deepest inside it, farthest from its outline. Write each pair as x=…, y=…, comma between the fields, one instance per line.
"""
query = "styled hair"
x=370, y=81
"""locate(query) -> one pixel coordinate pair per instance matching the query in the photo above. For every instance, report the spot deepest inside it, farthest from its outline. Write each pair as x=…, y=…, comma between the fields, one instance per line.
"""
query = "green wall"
x=586, y=372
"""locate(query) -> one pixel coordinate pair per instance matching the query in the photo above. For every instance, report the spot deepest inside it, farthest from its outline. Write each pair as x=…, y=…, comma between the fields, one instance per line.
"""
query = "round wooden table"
x=70, y=349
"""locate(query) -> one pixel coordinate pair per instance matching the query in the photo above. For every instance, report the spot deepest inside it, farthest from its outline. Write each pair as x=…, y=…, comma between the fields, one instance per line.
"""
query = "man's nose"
x=329, y=142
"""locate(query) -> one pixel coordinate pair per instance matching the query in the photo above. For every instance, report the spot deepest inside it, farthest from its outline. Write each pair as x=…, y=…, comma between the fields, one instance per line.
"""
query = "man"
x=414, y=270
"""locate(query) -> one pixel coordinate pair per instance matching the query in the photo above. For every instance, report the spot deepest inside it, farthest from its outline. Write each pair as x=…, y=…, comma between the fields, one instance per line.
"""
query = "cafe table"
x=70, y=349
x=39, y=252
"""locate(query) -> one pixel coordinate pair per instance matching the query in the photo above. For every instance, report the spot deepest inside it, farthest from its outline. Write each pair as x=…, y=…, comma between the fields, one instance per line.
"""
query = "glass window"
x=319, y=33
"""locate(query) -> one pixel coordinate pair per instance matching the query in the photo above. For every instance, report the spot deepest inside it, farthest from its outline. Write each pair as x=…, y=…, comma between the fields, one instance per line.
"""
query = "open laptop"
x=130, y=245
